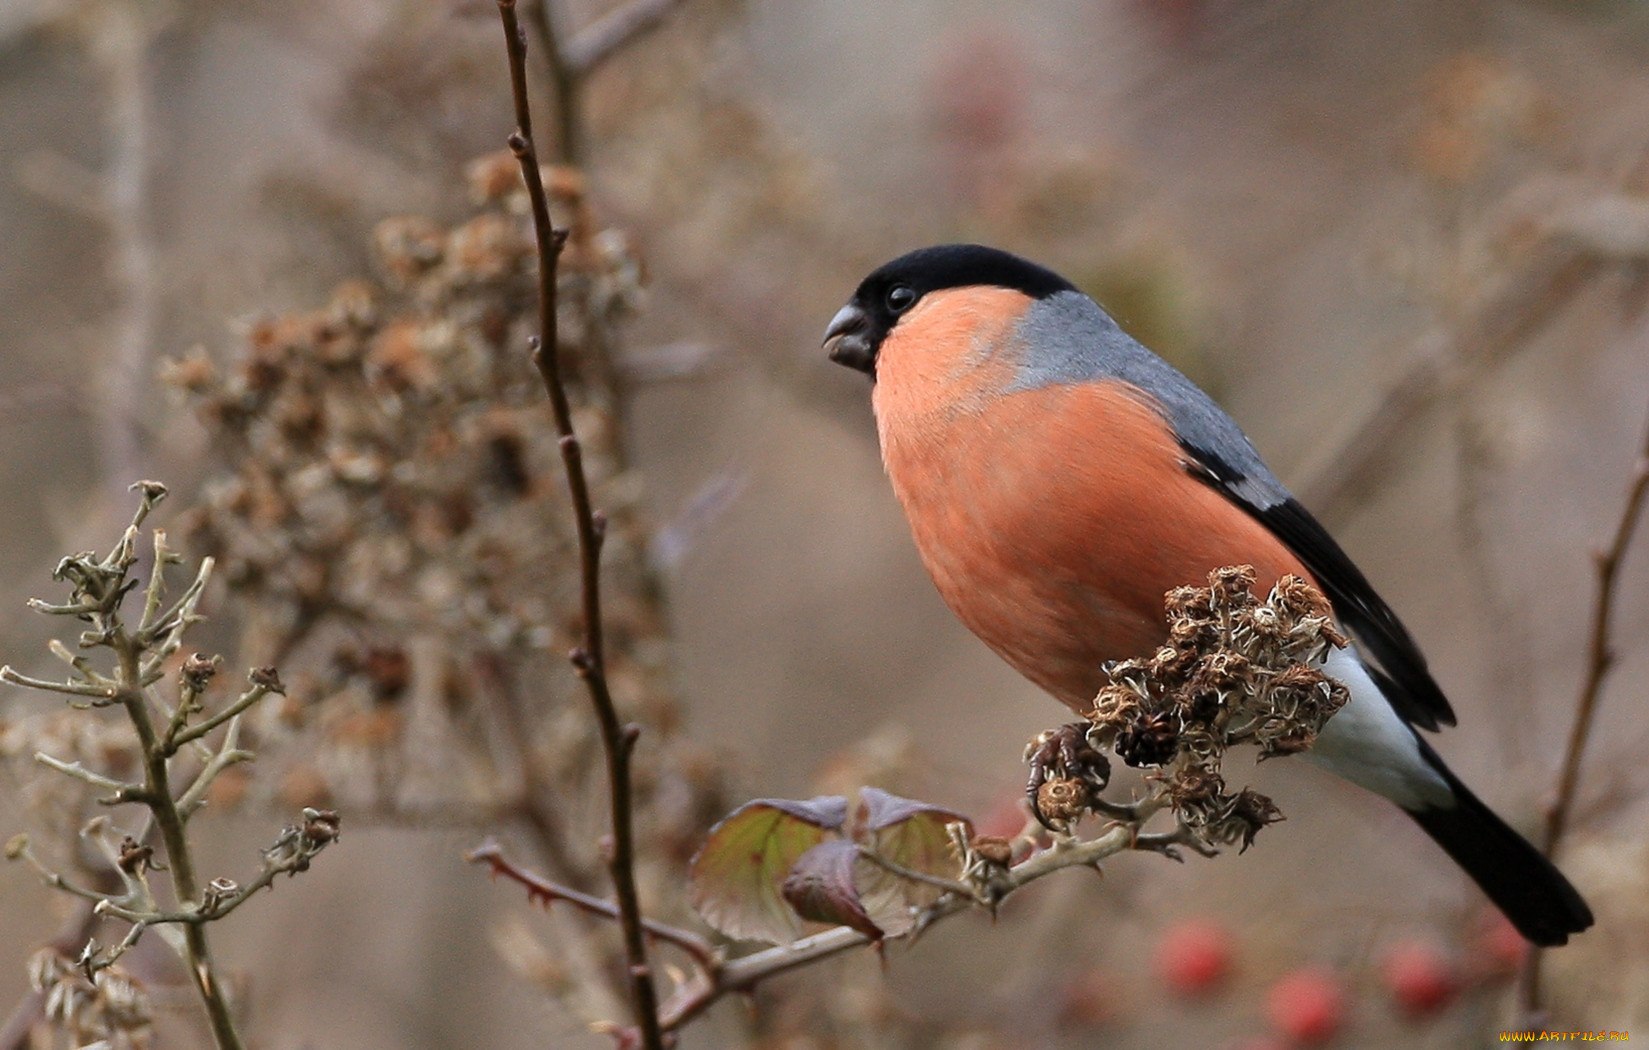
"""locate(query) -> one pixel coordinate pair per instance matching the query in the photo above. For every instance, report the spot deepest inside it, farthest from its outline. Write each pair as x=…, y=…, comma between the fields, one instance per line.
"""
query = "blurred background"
x=1402, y=242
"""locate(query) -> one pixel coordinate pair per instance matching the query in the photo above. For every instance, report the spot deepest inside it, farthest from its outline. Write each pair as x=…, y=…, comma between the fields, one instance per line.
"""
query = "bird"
x=1058, y=478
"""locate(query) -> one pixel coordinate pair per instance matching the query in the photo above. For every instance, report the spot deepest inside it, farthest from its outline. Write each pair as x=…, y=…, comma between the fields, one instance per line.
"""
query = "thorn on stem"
x=519, y=144
x=581, y=660
x=598, y=522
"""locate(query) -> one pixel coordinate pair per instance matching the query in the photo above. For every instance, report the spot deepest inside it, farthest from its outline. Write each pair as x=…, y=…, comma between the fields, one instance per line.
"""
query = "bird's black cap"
x=855, y=334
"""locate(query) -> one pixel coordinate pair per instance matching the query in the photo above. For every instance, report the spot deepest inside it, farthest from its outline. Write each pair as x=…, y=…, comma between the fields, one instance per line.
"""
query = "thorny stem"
x=618, y=740
x=1600, y=661
x=540, y=888
x=534, y=806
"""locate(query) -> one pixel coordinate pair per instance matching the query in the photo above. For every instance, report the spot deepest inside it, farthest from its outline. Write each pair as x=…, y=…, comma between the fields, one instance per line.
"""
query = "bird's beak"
x=847, y=340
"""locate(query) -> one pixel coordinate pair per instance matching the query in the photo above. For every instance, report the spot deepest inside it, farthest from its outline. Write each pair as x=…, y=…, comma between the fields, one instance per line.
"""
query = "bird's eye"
x=900, y=297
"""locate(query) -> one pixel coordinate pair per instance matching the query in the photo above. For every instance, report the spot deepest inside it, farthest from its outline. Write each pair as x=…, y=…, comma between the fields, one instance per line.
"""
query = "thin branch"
x=542, y=889
x=618, y=740
x=58, y=881
x=571, y=58
x=565, y=82
x=95, y=779
x=1600, y=661
x=120, y=43
x=1441, y=364
x=13, y=676
x=612, y=33
x=893, y=867
x=257, y=692
x=170, y=821
x=738, y=975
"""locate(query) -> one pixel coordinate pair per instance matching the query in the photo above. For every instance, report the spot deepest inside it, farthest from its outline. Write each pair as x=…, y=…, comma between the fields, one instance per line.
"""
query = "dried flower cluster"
x=391, y=462
x=108, y=1009
x=1236, y=669
x=393, y=509
x=391, y=521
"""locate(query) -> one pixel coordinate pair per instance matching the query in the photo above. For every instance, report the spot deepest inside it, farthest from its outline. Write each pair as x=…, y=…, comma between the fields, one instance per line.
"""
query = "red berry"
x=1194, y=956
x=1420, y=979
x=1498, y=949
x=1308, y=1006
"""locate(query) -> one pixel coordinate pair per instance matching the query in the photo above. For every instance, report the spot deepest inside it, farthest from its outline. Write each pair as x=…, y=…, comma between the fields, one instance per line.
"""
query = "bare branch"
x=618, y=740
x=1441, y=363
x=246, y=700
x=737, y=975
x=542, y=889
x=616, y=31
x=1600, y=660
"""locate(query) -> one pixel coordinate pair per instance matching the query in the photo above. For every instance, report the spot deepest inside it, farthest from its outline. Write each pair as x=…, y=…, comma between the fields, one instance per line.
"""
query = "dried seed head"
x=1236, y=669
x=992, y=849
x=1250, y=812
x=198, y=670
x=135, y=856
x=1298, y=598
x=268, y=678
x=1149, y=740
x=1064, y=800
x=1232, y=587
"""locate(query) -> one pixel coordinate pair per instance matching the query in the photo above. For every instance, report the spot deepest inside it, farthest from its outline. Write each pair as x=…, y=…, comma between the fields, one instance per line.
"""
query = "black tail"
x=1524, y=885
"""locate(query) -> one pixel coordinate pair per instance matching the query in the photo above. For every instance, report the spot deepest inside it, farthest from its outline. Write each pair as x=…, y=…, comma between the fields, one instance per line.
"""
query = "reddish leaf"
x=735, y=876
x=879, y=809
x=823, y=886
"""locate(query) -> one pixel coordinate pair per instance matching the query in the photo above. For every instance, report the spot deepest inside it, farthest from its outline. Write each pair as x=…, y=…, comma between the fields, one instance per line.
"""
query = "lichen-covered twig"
x=139, y=654
x=618, y=740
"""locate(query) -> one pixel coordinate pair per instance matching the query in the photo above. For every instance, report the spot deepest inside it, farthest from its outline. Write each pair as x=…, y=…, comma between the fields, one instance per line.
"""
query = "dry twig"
x=170, y=793
x=571, y=58
x=1600, y=660
x=618, y=740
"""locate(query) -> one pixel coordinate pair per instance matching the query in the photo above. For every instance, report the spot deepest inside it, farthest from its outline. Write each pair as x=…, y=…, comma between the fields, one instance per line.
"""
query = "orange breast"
x=1053, y=520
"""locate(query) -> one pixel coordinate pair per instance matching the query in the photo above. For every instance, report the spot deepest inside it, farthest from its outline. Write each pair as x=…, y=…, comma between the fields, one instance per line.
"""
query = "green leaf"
x=907, y=831
x=823, y=886
x=912, y=834
x=735, y=877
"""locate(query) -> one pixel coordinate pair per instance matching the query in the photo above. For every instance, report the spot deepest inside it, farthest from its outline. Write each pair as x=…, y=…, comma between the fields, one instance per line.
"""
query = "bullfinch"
x=1059, y=478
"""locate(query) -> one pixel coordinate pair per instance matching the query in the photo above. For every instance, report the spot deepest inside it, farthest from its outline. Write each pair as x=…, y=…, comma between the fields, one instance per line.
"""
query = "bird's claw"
x=1067, y=773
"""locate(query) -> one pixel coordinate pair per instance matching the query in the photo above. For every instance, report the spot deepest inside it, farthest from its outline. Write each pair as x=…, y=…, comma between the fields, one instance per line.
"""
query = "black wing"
x=1401, y=672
